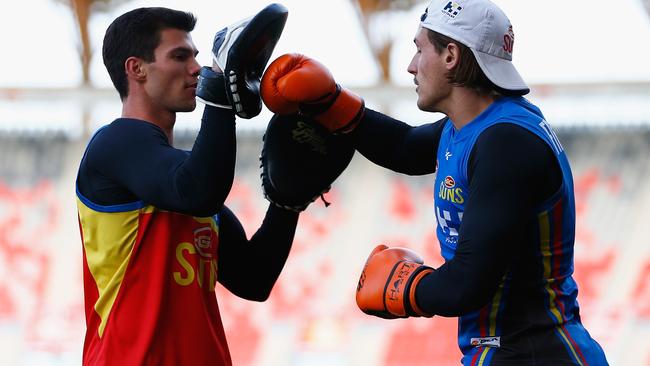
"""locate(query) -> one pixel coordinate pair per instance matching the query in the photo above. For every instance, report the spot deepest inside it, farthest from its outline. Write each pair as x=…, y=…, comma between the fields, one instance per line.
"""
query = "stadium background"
x=587, y=64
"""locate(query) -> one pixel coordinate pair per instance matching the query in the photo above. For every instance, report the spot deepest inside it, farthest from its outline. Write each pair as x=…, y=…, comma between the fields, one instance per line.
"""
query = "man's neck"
x=146, y=111
x=465, y=105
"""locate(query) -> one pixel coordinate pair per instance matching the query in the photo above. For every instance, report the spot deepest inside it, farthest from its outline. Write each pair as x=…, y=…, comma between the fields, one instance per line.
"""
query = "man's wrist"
x=412, y=306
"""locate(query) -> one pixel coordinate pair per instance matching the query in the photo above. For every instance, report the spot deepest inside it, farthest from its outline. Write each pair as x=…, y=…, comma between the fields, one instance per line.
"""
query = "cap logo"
x=509, y=40
x=424, y=15
x=452, y=9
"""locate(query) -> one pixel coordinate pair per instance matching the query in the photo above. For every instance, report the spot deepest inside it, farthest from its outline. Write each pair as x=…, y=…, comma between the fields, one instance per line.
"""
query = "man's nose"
x=195, y=68
x=412, y=69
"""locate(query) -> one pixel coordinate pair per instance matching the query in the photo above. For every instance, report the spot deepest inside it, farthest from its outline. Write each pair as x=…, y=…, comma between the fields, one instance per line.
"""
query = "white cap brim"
x=501, y=72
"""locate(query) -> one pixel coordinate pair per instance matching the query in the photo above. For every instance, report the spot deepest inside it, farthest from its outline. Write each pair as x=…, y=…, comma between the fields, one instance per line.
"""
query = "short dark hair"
x=468, y=73
x=137, y=33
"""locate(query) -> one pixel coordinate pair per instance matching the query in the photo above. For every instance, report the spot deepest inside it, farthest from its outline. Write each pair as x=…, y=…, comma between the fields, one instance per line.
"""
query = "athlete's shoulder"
x=122, y=137
x=519, y=108
x=125, y=132
x=129, y=128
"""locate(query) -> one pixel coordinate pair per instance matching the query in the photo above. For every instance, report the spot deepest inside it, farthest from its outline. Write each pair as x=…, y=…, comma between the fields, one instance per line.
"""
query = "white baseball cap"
x=485, y=29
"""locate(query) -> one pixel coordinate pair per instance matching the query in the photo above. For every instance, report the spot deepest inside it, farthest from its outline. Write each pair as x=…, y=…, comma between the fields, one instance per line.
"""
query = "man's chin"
x=425, y=107
x=188, y=107
x=428, y=105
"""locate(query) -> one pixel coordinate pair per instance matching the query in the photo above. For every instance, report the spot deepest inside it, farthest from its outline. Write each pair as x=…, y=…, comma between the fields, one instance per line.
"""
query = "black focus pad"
x=300, y=160
x=243, y=50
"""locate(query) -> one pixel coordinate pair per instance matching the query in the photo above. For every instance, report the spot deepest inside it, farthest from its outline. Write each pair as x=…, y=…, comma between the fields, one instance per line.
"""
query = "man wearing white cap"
x=503, y=192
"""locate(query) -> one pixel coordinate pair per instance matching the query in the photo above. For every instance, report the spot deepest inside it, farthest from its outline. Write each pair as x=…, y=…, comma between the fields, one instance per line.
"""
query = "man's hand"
x=240, y=53
x=387, y=284
x=296, y=83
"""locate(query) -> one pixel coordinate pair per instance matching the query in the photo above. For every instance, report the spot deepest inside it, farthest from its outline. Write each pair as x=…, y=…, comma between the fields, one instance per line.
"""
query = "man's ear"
x=135, y=68
x=452, y=56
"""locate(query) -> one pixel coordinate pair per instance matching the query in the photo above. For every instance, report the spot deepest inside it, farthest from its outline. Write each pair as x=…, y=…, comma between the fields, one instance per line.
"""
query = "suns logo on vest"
x=203, y=241
x=197, y=260
x=449, y=192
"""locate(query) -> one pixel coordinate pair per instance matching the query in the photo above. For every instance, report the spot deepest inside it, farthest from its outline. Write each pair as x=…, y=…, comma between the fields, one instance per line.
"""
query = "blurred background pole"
x=82, y=11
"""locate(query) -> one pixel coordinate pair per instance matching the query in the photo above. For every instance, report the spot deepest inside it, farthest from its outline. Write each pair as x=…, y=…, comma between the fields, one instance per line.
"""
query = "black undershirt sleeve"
x=396, y=145
x=250, y=268
x=132, y=160
x=511, y=171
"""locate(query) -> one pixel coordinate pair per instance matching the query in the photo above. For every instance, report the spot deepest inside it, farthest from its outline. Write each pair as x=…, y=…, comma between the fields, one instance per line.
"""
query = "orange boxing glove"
x=387, y=284
x=296, y=83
